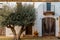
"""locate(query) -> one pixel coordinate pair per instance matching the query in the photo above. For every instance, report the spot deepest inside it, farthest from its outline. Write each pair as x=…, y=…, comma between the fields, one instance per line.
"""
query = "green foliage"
x=9, y=20
x=4, y=13
x=28, y=15
x=6, y=10
x=24, y=15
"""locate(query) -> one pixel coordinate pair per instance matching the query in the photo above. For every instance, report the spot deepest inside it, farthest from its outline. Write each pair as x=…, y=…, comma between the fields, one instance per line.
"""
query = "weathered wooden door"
x=48, y=26
x=29, y=30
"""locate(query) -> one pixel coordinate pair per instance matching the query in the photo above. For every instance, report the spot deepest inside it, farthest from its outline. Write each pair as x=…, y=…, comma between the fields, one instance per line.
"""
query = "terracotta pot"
x=35, y=33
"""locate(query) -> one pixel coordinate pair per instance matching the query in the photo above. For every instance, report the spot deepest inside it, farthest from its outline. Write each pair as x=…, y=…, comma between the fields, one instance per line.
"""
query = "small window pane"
x=48, y=6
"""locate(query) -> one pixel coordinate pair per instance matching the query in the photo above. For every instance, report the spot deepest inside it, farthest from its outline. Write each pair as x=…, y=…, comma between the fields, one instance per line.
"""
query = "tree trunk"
x=20, y=32
x=14, y=33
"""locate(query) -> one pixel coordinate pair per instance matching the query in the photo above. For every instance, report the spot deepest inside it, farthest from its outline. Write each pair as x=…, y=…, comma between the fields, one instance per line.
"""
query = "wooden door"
x=29, y=30
x=48, y=26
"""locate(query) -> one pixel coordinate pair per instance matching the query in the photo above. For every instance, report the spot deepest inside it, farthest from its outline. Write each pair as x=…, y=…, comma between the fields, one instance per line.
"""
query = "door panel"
x=29, y=30
x=48, y=26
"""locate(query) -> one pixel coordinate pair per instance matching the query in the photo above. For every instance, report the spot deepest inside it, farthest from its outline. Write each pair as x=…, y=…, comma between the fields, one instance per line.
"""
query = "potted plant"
x=35, y=34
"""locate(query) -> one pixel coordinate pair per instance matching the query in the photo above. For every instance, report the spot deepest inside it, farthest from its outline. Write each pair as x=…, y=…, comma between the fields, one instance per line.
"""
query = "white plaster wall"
x=40, y=10
x=9, y=32
x=52, y=6
x=57, y=28
x=57, y=8
x=44, y=7
x=38, y=22
x=57, y=14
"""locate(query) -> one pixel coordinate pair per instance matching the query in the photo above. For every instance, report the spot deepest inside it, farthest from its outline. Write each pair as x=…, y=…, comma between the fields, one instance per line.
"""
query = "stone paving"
x=49, y=38
x=42, y=38
x=32, y=38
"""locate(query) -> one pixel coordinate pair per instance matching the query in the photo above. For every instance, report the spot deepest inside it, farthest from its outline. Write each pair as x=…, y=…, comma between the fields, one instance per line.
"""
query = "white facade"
x=41, y=8
x=39, y=15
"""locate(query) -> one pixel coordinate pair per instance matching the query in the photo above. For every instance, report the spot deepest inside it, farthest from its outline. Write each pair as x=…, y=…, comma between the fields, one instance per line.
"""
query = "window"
x=48, y=6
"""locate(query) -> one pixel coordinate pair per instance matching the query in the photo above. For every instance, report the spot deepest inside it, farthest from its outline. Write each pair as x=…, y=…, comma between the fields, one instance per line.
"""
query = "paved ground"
x=37, y=38
x=42, y=38
x=49, y=38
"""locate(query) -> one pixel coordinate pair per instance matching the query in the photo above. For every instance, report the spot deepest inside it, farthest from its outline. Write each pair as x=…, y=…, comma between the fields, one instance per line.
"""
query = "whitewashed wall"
x=57, y=14
x=39, y=16
x=38, y=23
x=9, y=32
x=40, y=10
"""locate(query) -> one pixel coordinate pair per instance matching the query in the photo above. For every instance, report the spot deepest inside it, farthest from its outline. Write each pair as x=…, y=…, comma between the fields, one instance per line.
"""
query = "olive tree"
x=24, y=16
